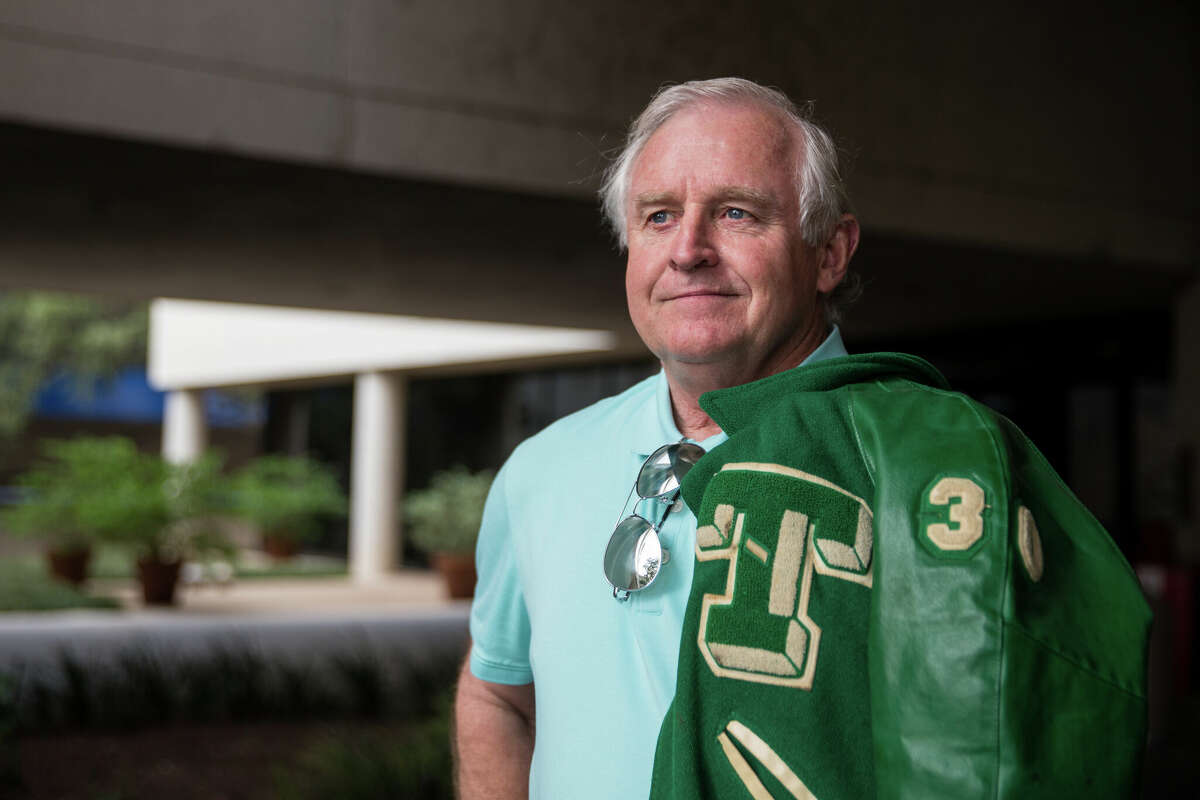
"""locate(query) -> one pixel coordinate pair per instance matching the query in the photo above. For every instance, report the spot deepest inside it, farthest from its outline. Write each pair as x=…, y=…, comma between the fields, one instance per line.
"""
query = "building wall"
x=91, y=214
x=1010, y=162
x=1064, y=128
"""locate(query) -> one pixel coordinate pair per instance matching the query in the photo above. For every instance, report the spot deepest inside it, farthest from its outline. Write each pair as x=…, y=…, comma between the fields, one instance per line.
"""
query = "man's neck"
x=688, y=381
x=690, y=418
x=686, y=387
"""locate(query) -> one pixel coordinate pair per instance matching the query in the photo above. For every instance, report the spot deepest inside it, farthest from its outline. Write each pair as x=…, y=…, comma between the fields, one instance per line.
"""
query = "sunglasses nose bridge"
x=666, y=467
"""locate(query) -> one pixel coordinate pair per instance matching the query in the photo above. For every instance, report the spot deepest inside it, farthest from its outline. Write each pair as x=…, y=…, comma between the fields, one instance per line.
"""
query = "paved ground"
x=406, y=589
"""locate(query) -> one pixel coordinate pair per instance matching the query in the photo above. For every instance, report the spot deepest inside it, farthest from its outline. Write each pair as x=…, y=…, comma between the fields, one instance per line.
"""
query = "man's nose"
x=692, y=246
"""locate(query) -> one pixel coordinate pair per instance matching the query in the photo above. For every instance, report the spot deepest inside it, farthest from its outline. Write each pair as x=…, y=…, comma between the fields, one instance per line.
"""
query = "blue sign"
x=129, y=397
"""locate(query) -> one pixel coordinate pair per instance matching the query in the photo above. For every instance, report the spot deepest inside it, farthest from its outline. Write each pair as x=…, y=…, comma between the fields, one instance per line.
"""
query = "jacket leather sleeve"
x=1008, y=636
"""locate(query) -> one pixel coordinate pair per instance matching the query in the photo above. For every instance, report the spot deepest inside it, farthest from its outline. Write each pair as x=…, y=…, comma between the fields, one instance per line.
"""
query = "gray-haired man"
x=738, y=234
x=889, y=594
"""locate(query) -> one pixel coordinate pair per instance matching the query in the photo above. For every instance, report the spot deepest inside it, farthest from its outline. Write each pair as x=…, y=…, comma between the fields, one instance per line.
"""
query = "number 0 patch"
x=952, y=517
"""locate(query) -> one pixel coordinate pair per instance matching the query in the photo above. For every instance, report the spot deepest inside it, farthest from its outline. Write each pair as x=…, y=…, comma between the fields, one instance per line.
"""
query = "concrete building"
x=196, y=345
x=1024, y=180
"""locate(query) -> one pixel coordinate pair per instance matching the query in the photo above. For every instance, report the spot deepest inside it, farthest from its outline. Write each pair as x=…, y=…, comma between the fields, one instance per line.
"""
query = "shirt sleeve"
x=499, y=619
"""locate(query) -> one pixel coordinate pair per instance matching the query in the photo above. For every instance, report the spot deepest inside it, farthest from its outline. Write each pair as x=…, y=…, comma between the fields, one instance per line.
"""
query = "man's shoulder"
x=908, y=407
x=918, y=423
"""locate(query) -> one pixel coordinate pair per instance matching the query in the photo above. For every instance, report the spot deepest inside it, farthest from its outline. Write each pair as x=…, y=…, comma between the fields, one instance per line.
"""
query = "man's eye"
x=658, y=218
x=737, y=213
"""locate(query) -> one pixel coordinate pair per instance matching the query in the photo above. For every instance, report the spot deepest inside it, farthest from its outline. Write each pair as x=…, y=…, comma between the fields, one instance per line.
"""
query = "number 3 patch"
x=952, y=517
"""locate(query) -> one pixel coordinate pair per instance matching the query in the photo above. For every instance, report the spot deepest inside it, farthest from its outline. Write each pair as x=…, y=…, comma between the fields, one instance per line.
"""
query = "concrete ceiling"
x=104, y=216
x=1063, y=127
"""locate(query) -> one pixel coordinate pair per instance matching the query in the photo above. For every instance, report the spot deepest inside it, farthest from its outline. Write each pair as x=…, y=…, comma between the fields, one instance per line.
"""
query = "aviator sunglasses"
x=635, y=553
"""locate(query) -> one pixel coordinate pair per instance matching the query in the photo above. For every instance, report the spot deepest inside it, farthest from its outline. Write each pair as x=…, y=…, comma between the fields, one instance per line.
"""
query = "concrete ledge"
x=39, y=642
x=37, y=650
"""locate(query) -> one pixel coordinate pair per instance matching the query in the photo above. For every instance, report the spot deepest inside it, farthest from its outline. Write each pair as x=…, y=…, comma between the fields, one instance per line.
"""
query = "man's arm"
x=493, y=738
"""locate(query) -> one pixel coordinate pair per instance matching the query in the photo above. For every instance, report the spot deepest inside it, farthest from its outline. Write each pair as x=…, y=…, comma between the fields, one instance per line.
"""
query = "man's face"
x=718, y=273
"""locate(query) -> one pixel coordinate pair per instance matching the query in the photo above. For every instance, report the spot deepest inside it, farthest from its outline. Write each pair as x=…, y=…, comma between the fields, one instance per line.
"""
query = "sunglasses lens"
x=633, y=555
x=665, y=468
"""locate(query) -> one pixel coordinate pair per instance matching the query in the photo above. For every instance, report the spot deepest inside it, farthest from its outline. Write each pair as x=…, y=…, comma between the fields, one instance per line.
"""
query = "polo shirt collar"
x=651, y=431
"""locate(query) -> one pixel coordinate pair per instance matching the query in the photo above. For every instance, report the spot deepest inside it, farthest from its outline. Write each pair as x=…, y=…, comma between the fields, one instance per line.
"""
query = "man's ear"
x=836, y=254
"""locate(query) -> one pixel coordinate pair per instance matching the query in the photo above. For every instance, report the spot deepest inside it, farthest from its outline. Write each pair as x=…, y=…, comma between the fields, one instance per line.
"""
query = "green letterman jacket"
x=896, y=596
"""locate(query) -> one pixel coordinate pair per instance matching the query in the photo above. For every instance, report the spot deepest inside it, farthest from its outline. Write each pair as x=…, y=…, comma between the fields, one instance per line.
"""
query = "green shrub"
x=103, y=489
x=286, y=496
x=412, y=762
x=68, y=485
x=446, y=516
x=25, y=586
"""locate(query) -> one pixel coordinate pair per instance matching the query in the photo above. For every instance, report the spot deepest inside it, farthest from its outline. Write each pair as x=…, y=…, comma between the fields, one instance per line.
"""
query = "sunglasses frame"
x=623, y=539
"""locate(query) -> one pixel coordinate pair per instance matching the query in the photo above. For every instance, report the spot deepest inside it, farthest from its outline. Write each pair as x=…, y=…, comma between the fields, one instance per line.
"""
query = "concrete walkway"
x=401, y=590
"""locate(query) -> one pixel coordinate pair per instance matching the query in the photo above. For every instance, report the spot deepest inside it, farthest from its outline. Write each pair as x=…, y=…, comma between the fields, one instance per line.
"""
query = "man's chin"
x=710, y=353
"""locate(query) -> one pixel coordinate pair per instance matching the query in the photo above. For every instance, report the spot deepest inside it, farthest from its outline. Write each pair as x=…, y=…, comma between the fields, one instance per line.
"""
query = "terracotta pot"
x=457, y=571
x=280, y=548
x=70, y=565
x=159, y=579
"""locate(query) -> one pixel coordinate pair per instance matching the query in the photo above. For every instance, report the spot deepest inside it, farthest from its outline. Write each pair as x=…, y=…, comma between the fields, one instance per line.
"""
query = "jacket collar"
x=738, y=406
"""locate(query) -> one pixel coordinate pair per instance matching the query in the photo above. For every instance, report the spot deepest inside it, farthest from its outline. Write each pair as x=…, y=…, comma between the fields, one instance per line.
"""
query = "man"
x=739, y=236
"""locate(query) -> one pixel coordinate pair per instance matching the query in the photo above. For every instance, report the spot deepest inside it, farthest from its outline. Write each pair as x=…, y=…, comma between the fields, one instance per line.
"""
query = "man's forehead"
x=737, y=152
x=725, y=192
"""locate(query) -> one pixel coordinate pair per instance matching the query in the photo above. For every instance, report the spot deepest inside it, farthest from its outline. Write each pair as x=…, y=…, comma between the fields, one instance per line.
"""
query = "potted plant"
x=54, y=498
x=45, y=513
x=286, y=497
x=193, y=494
x=444, y=520
x=160, y=512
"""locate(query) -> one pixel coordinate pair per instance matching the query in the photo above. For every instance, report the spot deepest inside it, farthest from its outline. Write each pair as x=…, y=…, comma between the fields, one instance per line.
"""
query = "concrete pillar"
x=376, y=473
x=185, y=429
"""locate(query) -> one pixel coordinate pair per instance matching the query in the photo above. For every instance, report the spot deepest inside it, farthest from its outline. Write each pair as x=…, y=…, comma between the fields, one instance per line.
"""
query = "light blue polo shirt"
x=604, y=670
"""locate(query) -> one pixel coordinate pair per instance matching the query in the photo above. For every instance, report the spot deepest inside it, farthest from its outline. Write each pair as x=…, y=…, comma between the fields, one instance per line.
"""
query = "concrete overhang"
x=198, y=344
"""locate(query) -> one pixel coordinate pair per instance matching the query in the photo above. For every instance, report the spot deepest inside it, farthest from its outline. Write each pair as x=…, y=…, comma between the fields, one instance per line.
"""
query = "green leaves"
x=43, y=332
x=71, y=492
x=287, y=495
x=105, y=489
x=446, y=516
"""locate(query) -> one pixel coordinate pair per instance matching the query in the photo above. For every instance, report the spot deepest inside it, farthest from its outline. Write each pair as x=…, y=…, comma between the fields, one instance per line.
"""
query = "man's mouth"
x=704, y=292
